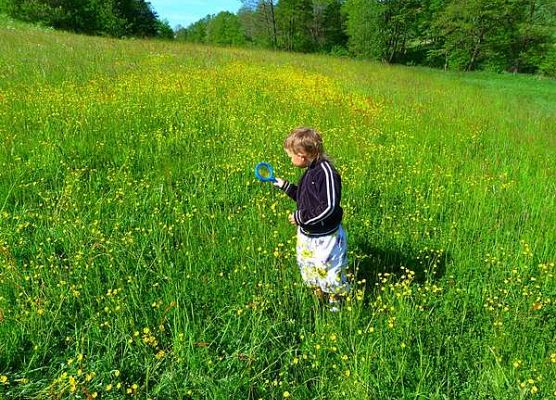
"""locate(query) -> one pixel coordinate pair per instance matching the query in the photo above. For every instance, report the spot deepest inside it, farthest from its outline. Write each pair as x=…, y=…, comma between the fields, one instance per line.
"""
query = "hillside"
x=140, y=257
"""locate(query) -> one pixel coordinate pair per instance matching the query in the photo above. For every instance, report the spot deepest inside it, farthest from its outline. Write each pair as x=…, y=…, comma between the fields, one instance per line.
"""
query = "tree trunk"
x=274, y=36
x=476, y=50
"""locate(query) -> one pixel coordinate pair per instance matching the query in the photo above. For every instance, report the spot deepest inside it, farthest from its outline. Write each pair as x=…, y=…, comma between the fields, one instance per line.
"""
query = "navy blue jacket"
x=318, y=195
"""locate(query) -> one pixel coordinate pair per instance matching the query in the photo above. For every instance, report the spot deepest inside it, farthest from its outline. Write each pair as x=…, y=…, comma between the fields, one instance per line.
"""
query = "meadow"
x=140, y=258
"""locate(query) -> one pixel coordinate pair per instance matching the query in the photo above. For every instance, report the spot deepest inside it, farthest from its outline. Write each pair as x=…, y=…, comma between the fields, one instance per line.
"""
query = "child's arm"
x=289, y=188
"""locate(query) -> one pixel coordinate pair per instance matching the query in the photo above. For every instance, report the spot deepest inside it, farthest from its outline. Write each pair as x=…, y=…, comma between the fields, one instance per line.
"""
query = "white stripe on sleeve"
x=330, y=194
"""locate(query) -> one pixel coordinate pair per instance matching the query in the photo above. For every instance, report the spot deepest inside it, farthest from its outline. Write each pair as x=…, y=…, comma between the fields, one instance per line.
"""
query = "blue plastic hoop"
x=268, y=167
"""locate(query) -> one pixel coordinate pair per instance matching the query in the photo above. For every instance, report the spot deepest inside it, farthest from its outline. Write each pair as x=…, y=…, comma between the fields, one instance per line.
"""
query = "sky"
x=185, y=12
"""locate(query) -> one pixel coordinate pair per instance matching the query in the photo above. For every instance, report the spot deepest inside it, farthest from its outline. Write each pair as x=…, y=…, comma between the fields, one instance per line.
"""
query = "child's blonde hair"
x=306, y=141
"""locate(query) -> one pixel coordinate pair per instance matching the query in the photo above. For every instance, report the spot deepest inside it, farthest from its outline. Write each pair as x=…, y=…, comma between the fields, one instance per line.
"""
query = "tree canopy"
x=117, y=18
x=499, y=35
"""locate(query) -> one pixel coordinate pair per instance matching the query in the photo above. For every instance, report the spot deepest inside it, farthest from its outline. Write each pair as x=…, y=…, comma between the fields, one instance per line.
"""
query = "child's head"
x=304, y=145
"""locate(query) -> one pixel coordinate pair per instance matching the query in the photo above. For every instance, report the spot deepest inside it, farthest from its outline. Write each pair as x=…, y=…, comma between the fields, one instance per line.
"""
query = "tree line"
x=116, y=18
x=498, y=35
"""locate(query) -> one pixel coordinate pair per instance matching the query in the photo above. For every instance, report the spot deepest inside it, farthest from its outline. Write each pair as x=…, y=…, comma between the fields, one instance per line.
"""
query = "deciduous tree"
x=225, y=29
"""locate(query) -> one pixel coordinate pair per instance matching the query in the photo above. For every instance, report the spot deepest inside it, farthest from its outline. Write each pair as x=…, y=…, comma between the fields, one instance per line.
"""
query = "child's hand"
x=291, y=218
x=279, y=182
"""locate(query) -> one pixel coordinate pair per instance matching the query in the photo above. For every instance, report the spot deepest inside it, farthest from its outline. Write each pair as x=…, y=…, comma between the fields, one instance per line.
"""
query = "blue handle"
x=267, y=166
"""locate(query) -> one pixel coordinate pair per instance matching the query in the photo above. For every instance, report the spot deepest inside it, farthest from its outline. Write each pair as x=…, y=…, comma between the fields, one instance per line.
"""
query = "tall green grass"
x=140, y=257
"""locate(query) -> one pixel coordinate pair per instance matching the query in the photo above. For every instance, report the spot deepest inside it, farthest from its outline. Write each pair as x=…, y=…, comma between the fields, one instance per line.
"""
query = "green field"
x=139, y=257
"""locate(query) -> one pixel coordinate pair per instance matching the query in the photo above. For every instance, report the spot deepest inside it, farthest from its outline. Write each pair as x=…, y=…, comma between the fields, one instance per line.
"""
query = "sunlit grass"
x=140, y=256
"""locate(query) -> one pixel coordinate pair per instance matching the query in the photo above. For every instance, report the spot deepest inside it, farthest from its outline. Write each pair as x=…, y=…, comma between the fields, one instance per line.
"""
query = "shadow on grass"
x=371, y=262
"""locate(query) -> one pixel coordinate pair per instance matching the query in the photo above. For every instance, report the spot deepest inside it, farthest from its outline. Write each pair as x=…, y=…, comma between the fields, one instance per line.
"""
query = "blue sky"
x=185, y=12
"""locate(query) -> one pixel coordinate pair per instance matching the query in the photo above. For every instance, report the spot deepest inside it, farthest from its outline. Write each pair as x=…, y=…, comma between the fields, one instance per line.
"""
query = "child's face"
x=298, y=159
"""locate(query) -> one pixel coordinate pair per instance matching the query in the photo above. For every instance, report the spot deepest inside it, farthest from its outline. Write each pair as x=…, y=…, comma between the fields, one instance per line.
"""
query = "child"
x=321, y=241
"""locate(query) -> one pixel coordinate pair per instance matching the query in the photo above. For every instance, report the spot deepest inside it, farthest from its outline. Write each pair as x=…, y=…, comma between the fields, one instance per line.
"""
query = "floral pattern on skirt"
x=322, y=261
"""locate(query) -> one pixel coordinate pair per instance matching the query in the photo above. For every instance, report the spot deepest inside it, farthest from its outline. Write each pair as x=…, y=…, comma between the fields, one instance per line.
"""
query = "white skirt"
x=322, y=261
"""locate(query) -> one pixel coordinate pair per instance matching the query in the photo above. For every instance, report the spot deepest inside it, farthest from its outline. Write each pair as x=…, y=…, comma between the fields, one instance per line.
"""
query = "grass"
x=140, y=257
